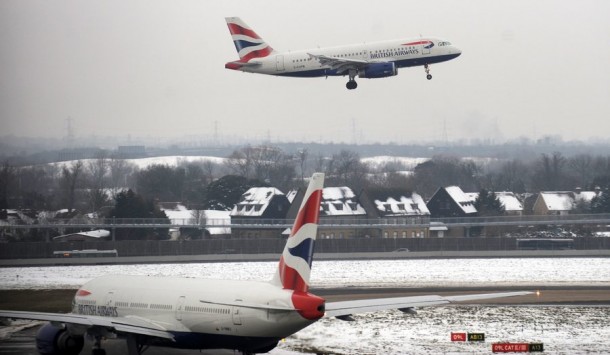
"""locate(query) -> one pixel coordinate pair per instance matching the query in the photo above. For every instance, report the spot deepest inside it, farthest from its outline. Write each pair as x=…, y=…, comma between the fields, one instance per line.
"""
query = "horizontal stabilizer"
x=236, y=65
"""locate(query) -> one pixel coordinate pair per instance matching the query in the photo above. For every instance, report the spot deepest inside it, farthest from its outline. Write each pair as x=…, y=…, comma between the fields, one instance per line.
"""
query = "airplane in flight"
x=366, y=60
x=191, y=313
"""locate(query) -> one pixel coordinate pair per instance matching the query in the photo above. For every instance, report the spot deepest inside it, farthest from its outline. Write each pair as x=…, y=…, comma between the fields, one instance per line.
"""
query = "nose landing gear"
x=428, y=75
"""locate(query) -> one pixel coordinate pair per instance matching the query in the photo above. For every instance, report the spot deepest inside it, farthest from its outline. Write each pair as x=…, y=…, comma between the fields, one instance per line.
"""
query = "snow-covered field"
x=359, y=273
x=562, y=329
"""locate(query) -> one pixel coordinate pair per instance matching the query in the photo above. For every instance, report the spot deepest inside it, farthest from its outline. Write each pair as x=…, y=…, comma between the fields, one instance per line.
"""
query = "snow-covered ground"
x=359, y=273
x=562, y=329
x=143, y=163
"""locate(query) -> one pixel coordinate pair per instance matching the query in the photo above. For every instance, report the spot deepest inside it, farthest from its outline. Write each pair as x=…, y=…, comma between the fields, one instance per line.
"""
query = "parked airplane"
x=366, y=60
x=192, y=313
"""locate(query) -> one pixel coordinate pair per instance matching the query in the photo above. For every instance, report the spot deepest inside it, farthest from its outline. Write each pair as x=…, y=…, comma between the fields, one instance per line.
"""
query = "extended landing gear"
x=352, y=84
x=428, y=75
x=97, y=346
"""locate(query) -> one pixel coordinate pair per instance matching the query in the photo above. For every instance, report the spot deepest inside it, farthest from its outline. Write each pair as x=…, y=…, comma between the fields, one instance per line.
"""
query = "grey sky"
x=156, y=68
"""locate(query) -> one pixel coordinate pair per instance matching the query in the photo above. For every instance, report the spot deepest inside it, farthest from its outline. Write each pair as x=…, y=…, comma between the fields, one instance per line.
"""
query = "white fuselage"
x=200, y=313
x=403, y=52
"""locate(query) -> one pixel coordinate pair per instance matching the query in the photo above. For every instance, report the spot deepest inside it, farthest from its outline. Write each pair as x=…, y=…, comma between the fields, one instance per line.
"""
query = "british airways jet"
x=191, y=313
x=367, y=60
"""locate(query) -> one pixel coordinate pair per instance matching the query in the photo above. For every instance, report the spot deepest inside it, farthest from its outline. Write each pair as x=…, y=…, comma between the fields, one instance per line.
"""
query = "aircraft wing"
x=341, y=65
x=347, y=308
x=118, y=324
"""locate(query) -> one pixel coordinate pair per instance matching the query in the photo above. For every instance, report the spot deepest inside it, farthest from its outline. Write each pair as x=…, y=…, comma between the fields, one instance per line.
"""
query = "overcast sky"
x=156, y=68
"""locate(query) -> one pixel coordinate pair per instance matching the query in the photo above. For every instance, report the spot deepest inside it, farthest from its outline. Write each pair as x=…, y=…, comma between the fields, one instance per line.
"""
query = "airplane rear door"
x=180, y=307
x=236, y=316
x=279, y=62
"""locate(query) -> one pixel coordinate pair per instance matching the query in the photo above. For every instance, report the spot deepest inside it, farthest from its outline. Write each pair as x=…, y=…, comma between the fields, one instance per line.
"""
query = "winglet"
x=295, y=263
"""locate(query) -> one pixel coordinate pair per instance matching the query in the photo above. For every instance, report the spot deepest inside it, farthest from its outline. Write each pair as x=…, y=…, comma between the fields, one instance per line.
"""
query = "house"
x=338, y=204
x=260, y=203
x=451, y=201
x=561, y=202
x=510, y=202
x=400, y=207
x=179, y=214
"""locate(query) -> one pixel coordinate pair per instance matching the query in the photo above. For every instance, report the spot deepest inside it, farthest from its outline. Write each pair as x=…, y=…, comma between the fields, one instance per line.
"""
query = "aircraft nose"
x=457, y=51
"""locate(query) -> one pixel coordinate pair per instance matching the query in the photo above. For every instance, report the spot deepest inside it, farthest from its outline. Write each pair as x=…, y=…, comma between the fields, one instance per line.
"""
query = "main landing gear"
x=428, y=75
x=352, y=84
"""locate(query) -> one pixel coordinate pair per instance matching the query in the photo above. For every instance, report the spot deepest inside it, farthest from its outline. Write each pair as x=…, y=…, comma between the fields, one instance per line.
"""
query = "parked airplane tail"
x=295, y=263
x=249, y=45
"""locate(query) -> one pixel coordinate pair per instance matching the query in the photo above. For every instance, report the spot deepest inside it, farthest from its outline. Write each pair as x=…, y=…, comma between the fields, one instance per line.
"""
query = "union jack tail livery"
x=295, y=264
x=248, y=44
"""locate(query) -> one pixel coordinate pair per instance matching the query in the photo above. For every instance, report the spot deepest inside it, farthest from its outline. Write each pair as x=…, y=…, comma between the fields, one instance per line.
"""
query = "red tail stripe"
x=310, y=213
x=238, y=30
x=291, y=280
x=257, y=54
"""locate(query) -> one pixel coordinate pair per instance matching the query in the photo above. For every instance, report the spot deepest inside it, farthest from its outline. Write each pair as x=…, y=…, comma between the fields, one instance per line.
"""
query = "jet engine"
x=51, y=340
x=378, y=70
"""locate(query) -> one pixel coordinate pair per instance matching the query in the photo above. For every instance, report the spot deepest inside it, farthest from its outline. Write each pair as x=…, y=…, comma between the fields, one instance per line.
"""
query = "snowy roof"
x=340, y=201
x=507, y=199
x=558, y=200
x=255, y=201
x=585, y=196
x=404, y=206
x=172, y=206
x=565, y=200
x=464, y=201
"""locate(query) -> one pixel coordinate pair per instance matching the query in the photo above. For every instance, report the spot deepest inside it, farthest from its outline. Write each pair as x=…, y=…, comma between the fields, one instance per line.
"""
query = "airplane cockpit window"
x=444, y=43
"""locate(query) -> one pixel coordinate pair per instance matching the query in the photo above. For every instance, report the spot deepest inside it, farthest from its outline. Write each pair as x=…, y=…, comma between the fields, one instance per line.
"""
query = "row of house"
x=342, y=205
x=406, y=211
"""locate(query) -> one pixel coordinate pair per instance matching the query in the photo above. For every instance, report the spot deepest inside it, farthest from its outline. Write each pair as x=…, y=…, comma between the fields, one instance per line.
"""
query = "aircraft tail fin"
x=295, y=263
x=249, y=45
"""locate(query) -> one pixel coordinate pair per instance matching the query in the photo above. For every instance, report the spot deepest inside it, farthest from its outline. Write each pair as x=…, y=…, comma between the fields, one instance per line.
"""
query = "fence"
x=256, y=246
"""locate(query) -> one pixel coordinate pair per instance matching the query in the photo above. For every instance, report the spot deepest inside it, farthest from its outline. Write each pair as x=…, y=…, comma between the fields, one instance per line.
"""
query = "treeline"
x=92, y=185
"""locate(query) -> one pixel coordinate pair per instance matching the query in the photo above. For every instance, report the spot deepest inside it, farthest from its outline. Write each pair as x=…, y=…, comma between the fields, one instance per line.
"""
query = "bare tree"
x=582, y=167
x=265, y=163
x=549, y=174
x=208, y=171
x=240, y=162
x=120, y=172
x=345, y=168
x=302, y=155
x=98, y=170
x=7, y=179
x=70, y=178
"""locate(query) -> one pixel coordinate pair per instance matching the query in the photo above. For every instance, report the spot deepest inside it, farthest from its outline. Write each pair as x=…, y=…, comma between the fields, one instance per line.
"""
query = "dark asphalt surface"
x=23, y=343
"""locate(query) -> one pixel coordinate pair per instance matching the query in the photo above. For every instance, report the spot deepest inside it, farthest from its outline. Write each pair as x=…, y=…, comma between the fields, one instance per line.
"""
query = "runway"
x=23, y=343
